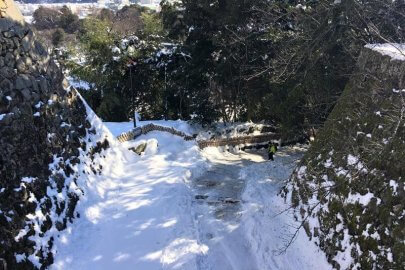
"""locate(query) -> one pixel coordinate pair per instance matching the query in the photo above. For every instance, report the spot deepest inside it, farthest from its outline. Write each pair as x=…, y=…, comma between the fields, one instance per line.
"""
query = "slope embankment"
x=349, y=189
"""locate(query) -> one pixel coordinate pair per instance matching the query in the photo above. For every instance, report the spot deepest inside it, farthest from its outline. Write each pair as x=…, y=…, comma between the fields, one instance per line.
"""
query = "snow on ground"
x=267, y=223
x=79, y=84
x=136, y=214
x=218, y=211
x=394, y=50
x=237, y=213
x=176, y=207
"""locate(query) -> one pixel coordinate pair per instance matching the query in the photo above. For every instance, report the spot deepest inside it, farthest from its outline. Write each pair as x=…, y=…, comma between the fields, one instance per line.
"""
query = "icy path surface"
x=177, y=207
x=218, y=211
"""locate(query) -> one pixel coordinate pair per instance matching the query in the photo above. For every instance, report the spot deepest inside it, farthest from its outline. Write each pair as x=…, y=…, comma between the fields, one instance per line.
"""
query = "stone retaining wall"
x=44, y=135
x=349, y=190
x=254, y=139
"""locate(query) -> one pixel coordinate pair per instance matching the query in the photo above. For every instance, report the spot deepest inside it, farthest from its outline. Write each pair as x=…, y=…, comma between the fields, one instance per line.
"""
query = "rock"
x=5, y=24
x=27, y=61
x=6, y=120
x=60, y=226
x=8, y=34
x=16, y=42
x=8, y=45
x=26, y=44
x=26, y=94
x=7, y=72
x=20, y=31
x=65, y=83
x=35, y=86
x=398, y=208
x=316, y=232
x=307, y=229
x=23, y=81
x=9, y=60
x=16, y=111
x=230, y=201
x=43, y=85
x=35, y=97
x=20, y=65
x=6, y=85
x=139, y=149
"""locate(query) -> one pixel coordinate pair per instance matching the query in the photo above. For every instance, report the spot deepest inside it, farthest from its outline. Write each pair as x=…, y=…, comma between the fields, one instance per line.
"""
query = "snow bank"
x=269, y=224
x=102, y=130
x=394, y=50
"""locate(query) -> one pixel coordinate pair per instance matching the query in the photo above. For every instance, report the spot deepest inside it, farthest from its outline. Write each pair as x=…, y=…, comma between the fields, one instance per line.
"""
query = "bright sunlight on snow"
x=176, y=207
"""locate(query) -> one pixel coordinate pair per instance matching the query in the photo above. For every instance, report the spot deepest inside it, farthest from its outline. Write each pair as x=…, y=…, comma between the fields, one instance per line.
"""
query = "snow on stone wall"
x=49, y=139
x=349, y=190
x=394, y=50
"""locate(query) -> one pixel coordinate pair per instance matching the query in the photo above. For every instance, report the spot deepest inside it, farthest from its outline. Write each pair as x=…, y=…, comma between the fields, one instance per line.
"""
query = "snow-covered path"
x=268, y=225
x=217, y=210
x=177, y=207
x=137, y=214
x=237, y=213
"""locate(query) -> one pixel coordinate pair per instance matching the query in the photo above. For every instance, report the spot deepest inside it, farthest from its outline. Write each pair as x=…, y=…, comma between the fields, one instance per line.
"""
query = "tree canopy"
x=285, y=62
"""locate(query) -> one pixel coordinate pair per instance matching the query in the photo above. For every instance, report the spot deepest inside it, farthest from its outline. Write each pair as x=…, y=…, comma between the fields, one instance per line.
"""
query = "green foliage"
x=112, y=108
x=320, y=56
x=96, y=36
x=152, y=24
x=92, y=97
x=69, y=22
x=58, y=37
x=45, y=18
x=49, y=18
x=100, y=69
x=96, y=41
x=172, y=20
x=236, y=60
